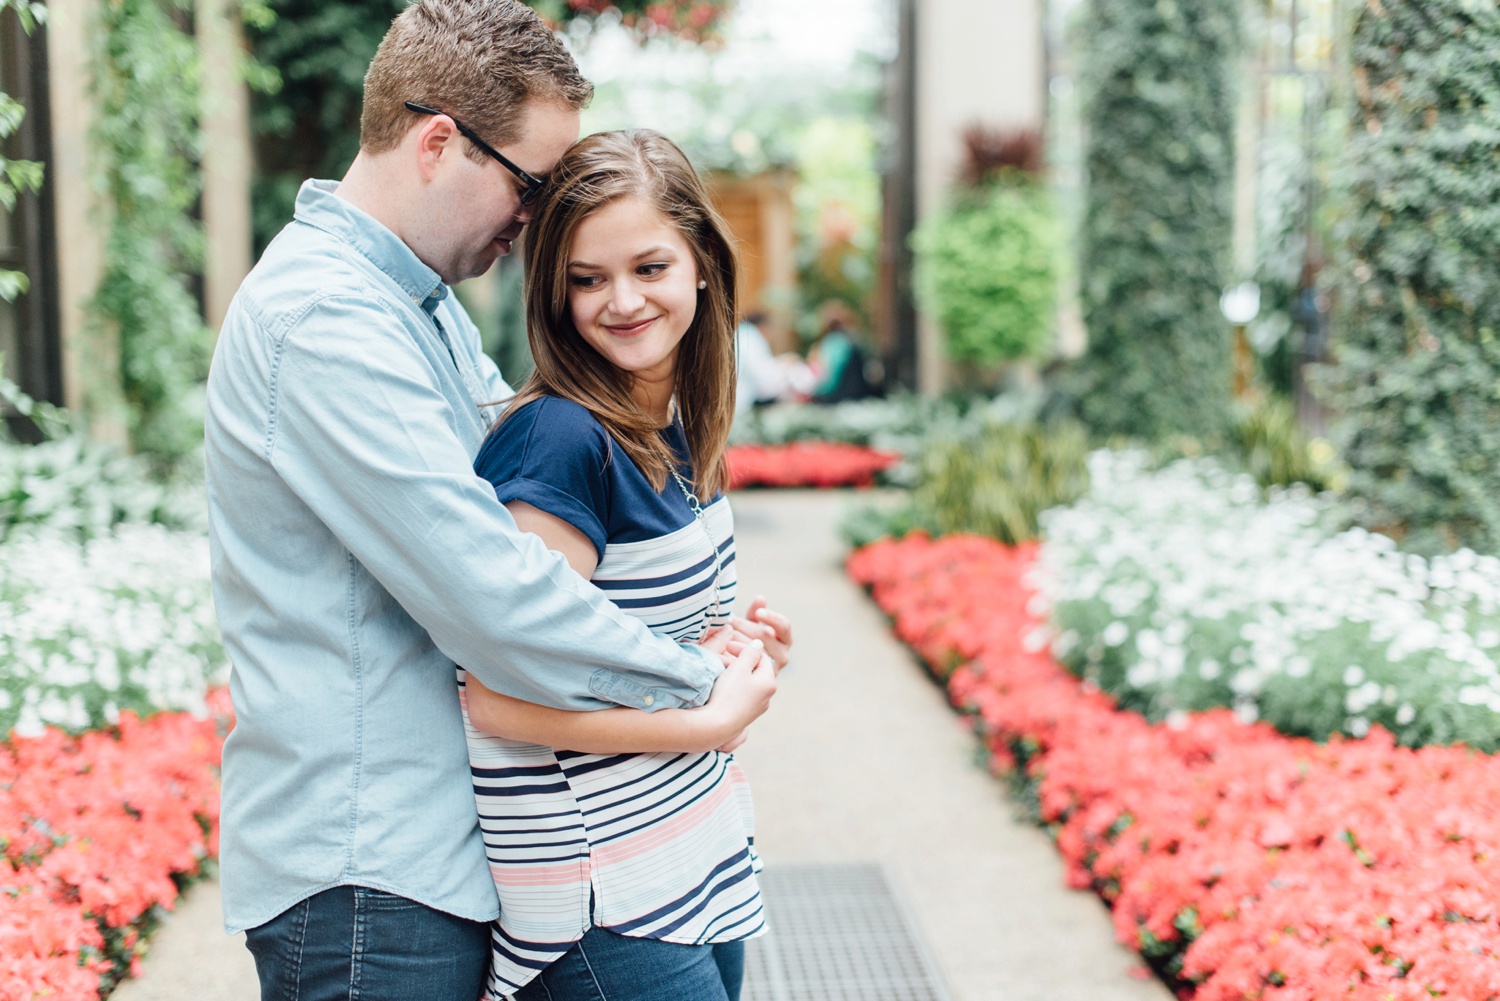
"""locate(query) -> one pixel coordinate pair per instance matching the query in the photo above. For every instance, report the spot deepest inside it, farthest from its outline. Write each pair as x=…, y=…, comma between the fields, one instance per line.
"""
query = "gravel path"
x=859, y=760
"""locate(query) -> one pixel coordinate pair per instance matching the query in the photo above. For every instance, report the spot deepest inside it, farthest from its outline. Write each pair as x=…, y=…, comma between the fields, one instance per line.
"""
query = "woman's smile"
x=630, y=329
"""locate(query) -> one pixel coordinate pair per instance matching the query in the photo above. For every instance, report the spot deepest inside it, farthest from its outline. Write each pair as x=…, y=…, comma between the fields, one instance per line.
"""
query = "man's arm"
x=361, y=432
x=742, y=694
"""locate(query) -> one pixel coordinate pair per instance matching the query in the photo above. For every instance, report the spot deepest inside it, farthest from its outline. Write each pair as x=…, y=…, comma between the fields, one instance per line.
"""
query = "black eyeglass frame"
x=534, y=184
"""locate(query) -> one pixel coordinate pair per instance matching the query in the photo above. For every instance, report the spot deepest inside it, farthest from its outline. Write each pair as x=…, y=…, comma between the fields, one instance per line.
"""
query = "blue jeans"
x=604, y=966
x=353, y=942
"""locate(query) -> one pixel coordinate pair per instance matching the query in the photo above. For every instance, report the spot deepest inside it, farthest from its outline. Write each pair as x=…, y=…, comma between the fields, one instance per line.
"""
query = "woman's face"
x=633, y=291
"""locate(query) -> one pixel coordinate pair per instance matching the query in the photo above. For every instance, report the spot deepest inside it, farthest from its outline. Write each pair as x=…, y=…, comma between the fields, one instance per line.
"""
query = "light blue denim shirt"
x=356, y=558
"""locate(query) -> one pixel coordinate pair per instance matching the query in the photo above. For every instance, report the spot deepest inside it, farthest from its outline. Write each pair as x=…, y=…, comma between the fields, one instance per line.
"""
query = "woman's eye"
x=650, y=270
x=584, y=281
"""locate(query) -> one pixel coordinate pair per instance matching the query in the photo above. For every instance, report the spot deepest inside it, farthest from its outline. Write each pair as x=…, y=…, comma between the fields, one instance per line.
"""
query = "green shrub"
x=1418, y=339
x=1271, y=446
x=999, y=481
x=1159, y=96
x=996, y=480
x=986, y=269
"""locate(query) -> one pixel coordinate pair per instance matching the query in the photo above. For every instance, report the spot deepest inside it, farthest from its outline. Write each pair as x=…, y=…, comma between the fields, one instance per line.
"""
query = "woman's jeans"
x=353, y=942
x=604, y=966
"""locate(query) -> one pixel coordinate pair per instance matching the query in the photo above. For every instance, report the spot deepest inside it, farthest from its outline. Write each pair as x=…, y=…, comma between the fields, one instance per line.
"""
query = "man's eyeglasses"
x=533, y=183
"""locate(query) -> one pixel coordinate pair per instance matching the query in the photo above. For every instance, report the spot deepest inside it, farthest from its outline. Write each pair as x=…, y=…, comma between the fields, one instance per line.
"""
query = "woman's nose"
x=625, y=299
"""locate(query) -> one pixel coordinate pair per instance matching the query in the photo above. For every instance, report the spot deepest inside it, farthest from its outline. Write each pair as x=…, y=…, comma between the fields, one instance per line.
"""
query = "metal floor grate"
x=838, y=933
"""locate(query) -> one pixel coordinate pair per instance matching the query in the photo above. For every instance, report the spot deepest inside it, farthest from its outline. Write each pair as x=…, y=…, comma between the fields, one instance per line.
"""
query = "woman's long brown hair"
x=594, y=172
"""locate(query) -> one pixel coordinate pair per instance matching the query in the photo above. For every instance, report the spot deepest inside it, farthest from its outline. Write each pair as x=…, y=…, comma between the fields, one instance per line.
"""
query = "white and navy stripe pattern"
x=650, y=845
x=668, y=582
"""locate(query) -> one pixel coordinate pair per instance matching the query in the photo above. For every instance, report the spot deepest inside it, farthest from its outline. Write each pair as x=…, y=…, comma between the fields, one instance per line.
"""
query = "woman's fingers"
x=780, y=623
x=717, y=639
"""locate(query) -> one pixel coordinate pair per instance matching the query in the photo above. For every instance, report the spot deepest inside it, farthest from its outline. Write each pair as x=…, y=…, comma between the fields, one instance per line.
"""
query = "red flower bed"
x=94, y=828
x=1248, y=864
x=807, y=464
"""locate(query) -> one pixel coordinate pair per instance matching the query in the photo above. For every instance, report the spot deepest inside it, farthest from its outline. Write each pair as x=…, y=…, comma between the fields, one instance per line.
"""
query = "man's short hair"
x=478, y=60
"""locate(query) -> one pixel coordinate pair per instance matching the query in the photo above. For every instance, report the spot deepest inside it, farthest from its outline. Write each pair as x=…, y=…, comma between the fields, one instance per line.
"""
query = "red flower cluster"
x=94, y=828
x=694, y=20
x=1249, y=864
x=807, y=464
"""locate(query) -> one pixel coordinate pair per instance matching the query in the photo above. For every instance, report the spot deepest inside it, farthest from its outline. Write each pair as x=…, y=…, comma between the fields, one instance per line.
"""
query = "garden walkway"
x=859, y=760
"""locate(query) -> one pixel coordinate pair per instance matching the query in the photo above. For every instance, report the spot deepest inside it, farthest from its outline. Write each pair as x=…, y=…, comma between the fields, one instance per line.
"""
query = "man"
x=357, y=558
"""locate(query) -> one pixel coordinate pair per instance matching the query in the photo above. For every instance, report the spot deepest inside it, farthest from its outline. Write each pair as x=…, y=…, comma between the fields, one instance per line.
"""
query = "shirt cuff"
x=616, y=688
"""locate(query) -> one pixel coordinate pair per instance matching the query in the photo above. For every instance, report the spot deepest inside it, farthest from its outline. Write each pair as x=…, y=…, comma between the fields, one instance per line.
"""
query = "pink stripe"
x=514, y=874
x=655, y=837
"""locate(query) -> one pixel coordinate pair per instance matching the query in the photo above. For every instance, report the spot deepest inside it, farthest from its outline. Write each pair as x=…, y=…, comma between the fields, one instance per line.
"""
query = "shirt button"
x=649, y=700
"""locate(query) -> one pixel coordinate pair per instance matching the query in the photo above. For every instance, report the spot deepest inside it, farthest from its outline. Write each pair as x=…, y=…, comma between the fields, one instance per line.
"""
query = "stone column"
x=976, y=63
x=227, y=160
x=90, y=350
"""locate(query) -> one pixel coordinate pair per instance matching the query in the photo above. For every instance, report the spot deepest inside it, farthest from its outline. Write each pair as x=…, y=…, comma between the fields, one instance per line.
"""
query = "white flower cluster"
x=1185, y=587
x=84, y=487
x=123, y=621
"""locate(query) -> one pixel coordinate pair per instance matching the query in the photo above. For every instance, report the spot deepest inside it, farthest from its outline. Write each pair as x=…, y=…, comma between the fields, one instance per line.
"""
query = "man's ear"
x=437, y=139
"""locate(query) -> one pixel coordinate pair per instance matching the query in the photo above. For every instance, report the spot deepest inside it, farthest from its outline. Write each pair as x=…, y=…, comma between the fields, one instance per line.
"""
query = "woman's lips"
x=628, y=329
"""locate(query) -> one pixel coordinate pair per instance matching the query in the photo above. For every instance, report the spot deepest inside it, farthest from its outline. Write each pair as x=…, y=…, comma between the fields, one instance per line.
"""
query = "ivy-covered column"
x=1160, y=95
x=146, y=134
x=1418, y=343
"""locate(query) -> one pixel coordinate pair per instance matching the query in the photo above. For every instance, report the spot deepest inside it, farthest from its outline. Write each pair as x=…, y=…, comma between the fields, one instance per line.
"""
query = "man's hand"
x=772, y=628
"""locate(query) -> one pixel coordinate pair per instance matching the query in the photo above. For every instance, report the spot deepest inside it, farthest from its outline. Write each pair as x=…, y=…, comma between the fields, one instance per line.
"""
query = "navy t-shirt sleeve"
x=552, y=454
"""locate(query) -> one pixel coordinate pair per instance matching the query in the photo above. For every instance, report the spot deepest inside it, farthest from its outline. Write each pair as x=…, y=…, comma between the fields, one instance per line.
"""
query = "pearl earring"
x=703, y=283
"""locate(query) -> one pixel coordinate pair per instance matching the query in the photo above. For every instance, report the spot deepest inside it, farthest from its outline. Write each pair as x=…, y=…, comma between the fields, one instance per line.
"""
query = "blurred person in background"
x=837, y=358
x=762, y=377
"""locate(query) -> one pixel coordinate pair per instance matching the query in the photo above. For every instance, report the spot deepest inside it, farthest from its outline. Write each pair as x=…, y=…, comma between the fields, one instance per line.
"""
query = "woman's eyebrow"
x=648, y=252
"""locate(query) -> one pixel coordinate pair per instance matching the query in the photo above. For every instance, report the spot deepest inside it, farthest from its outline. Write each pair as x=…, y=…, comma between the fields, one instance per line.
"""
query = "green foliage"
x=17, y=176
x=1270, y=444
x=996, y=479
x=837, y=199
x=146, y=131
x=1159, y=109
x=318, y=51
x=309, y=127
x=987, y=270
x=1418, y=343
x=1264, y=438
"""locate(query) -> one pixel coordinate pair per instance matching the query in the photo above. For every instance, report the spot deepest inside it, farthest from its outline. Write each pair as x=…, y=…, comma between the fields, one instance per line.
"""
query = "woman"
x=621, y=841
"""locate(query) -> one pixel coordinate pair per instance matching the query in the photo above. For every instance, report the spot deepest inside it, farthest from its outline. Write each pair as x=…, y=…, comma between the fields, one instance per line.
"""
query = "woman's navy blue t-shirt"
x=556, y=456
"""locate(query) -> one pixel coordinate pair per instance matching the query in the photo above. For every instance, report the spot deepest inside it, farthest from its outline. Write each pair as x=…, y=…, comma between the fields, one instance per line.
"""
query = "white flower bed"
x=124, y=621
x=1184, y=588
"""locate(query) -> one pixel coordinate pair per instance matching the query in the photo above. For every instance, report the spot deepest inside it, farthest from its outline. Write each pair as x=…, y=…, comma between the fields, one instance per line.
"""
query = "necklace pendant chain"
x=697, y=507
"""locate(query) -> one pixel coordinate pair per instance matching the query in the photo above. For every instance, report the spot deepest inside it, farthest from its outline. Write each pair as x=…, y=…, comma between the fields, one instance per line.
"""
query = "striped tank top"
x=650, y=845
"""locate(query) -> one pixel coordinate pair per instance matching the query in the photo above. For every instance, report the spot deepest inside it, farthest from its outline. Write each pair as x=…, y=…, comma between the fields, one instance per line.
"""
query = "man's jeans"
x=604, y=966
x=352, y=942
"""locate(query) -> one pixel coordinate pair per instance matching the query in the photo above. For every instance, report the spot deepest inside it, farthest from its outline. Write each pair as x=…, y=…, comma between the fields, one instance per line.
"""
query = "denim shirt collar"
x=318, y=206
